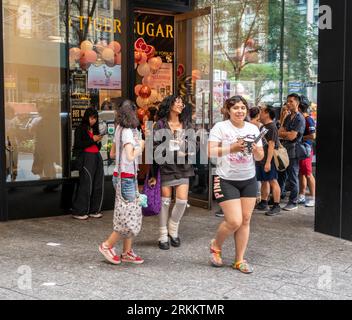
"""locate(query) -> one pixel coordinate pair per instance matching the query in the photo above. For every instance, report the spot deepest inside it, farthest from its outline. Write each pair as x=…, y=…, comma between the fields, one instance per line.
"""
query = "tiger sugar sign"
x=152, y=29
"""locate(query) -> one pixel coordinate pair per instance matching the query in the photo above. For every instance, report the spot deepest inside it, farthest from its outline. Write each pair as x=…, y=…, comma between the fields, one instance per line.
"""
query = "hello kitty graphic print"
x=237, y=166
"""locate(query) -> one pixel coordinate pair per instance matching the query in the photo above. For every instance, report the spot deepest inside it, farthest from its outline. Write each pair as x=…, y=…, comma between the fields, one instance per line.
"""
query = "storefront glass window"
x=252, y=58
x=33, y=78
x=95, y=65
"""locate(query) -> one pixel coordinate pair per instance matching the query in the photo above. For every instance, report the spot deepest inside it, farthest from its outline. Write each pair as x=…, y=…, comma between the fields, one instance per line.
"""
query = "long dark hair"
x=126, y=116
x=230, y=103
x=165, y=108
x=90, y=112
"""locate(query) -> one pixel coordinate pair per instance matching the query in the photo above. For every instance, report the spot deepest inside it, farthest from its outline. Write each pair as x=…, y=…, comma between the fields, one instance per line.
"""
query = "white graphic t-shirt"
x=128, y=136
x=237, y=166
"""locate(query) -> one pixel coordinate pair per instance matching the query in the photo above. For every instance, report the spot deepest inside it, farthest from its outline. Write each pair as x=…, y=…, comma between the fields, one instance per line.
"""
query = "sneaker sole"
x=291, y=209
x=96, y=217
x=108, y=258
x=133, y=262
x=80, y=218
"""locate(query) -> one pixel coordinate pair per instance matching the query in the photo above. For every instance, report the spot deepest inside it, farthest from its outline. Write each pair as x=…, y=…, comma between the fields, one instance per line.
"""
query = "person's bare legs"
x=302, y=184
x=265, y=190
x=112, y=240
x=311, y=185
x=241, y=236
x=275, y=190
x=232, y=221
x=127, y=245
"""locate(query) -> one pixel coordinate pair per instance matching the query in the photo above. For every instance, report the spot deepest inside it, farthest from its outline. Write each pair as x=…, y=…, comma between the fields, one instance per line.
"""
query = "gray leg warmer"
x=176, y=216
x=163, y=217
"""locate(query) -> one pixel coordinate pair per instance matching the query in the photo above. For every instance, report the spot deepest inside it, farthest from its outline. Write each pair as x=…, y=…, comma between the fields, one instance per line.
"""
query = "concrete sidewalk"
x=290, y=261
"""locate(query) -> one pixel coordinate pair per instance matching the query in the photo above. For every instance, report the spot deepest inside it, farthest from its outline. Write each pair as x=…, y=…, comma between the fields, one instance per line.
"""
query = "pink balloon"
x=143, y=69
x=148, y=80
x=75, y=53
x=88, y=56
x=118, y=58
x=144, y=58
x=86, y=45
x=153, y=63
x=108, y=55
x=84, y=65
x=160, y=62
x=114, y=45
x=137, y=88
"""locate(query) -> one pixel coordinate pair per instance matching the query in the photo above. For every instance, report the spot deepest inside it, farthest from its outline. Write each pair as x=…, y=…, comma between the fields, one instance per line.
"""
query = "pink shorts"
x=305, y=166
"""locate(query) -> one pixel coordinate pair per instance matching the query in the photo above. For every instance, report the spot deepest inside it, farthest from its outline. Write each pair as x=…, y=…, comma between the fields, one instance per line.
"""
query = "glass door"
x=194, y=81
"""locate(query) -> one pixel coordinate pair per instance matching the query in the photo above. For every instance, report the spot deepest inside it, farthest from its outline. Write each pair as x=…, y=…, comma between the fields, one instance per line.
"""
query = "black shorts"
x=225, y=190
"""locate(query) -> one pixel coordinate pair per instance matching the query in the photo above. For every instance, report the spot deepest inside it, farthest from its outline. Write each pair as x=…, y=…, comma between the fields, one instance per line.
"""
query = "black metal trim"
x=127, y=40
x=3, y=201
x=166, y=5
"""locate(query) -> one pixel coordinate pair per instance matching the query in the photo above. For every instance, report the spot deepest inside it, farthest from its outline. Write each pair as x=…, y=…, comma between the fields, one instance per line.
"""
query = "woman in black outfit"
x=175, y=170
x=86, y=148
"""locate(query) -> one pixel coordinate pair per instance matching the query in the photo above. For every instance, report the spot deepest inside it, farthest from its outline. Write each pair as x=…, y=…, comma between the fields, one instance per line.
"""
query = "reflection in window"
x=95, y=64
x=32, y=74
x=247, y=48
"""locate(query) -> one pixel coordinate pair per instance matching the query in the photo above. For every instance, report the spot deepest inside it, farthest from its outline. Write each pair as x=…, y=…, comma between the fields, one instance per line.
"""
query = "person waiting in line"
x=174, y=119
x=132, y=147
x=235, y=187
x=266, y=170
x=89, y=198
x=291, y=132
x=282, y=175
x=254, y=117
x=305, y=165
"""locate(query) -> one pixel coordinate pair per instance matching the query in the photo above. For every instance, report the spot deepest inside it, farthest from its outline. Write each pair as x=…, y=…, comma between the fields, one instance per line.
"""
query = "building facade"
x=59, y=57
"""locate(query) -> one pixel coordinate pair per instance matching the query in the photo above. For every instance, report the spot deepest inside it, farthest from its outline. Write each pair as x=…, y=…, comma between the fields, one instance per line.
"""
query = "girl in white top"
x=131, y=147
x=235, y=188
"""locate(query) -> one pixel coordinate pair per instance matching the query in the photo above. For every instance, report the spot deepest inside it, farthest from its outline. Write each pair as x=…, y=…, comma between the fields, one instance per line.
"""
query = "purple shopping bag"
x=154, y=197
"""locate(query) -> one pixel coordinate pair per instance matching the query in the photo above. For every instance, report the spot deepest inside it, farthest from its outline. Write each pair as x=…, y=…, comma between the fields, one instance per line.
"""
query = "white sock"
x=173, y=228
x=163, y=234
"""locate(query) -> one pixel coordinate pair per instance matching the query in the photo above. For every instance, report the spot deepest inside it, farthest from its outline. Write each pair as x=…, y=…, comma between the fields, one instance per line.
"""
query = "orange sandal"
x=243, y=266
x=215, y=256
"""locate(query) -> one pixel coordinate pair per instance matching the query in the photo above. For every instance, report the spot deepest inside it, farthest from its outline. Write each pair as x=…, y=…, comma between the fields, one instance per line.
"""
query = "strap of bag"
x=119, y=166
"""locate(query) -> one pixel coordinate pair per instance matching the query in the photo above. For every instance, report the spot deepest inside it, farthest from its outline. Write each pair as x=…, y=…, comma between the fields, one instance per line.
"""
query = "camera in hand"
x=250, y=139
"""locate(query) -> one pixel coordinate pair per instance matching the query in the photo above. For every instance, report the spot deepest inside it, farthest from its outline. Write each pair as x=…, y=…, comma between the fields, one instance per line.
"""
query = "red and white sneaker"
x=109, y=254
x=131, y=257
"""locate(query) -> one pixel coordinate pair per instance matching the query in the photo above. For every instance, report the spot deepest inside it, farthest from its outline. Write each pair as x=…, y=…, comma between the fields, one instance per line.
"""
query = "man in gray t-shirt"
x=291, y=131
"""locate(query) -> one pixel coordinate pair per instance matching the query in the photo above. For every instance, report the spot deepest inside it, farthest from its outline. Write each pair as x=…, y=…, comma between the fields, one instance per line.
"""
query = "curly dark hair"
x=126, y=116
x=165, y=108
x=230, y=103
x=90, y=112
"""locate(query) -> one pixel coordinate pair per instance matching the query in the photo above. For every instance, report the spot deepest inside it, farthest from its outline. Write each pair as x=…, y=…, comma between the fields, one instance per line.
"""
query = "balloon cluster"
x=147, y=64
x=248, y=53
x=86, y=55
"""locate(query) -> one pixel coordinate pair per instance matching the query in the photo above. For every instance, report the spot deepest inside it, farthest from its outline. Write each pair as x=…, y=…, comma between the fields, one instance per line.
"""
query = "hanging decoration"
x=98, y=54
x=147, y=65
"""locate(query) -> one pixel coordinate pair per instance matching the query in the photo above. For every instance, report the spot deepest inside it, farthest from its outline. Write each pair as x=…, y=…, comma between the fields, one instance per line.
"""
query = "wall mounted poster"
x=104, y=77
x=162, y=80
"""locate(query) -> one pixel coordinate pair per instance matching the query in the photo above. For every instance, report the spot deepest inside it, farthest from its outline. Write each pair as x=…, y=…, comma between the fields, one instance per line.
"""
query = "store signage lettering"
x=114, y=26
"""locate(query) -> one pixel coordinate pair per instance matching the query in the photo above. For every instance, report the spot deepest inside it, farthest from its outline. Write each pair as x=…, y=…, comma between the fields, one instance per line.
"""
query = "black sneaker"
x=275, y=210
x=262, y=206
x=290, y=206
